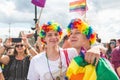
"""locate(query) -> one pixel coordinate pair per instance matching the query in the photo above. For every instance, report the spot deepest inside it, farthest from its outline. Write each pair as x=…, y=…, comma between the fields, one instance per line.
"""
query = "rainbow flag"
x=39, y=3
x=80, y=70
x=79, y=5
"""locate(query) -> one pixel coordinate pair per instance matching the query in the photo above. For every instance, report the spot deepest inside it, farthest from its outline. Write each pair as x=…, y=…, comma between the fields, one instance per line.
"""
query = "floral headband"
x=49, y=26
x=84, y=28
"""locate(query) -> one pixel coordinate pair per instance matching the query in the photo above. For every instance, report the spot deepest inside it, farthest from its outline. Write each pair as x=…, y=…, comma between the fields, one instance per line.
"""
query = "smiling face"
x=47, y=28
x=83, y=28
x=77, y=39
x=52, y=38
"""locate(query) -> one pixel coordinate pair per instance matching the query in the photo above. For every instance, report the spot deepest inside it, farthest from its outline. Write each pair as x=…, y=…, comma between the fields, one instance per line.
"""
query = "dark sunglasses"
x=113, y=43
x=21, y=45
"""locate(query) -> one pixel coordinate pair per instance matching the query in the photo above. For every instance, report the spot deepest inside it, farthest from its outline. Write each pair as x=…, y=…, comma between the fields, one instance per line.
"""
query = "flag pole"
x=40, y=16
x=35, y=15
x=85, y=12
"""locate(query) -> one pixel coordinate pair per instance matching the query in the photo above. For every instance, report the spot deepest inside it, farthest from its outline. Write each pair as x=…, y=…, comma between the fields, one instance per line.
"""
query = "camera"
x=16, y=39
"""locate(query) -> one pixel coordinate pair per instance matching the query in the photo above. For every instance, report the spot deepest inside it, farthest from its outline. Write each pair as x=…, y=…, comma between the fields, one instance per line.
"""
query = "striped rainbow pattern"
x=80, y=70
x=79, y=5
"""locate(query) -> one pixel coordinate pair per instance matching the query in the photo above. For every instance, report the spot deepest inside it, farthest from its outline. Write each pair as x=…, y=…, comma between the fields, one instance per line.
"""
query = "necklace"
x=59, y=66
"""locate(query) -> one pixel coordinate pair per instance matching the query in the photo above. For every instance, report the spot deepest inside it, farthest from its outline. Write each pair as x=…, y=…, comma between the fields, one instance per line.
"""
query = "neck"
x=85, y=46
x=78, y=50
x=20, y=56
x=52, y=53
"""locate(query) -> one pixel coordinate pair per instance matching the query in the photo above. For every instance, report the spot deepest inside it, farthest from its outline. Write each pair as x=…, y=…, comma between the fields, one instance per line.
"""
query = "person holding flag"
x=82, y=37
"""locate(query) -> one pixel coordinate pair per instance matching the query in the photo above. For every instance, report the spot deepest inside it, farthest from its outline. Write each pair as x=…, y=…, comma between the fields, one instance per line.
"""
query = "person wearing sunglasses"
x=86, y=66
x=115, y=57
x=17, y=64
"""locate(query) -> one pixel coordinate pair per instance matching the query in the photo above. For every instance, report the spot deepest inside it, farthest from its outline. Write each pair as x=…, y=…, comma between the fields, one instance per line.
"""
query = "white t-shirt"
x=0, y=70
x=39, y=70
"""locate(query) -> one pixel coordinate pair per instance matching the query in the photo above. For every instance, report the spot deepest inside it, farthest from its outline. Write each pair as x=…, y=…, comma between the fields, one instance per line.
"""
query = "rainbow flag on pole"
x=79, y=5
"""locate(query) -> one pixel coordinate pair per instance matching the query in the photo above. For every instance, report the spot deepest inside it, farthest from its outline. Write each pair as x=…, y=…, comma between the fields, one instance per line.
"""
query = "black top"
x=17, y=69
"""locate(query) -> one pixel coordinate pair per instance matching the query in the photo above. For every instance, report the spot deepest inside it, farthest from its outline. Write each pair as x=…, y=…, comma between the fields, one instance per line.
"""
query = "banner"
x=39, y=3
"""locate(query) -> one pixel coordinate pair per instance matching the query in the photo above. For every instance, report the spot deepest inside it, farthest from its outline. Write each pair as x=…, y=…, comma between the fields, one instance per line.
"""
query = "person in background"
x=112, y=43
x=39, y=46
x=17, y=65
x=115, y=58
x=111, y=46
x=66, y=42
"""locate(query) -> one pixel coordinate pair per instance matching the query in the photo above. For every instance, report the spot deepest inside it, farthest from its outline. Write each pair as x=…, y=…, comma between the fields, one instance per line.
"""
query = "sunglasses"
x=113, y=43
x=20, y=45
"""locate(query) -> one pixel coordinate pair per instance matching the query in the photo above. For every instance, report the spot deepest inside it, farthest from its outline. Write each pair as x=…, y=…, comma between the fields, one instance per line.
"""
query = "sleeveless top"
x=17, y=69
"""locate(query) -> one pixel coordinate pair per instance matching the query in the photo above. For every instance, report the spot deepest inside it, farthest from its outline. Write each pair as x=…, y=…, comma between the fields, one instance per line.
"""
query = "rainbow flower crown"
x=84, y=28
x=48, y=27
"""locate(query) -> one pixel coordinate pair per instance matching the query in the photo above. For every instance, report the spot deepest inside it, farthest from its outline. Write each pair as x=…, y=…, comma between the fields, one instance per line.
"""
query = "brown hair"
x=15, y=51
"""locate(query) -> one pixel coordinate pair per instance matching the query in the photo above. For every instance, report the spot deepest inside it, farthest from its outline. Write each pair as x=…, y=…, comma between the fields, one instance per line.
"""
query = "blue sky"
x=103, y=15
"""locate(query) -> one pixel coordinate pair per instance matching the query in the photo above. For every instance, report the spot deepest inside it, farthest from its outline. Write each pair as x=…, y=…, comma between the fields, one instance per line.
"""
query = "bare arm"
x=2, y=49
x=1, y=76
x=3, y=58
x=32, y=51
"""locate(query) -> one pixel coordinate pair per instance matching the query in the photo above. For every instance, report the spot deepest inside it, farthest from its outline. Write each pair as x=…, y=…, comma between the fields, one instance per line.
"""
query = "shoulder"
x=68, y=49
x=116, y=49
x=72, y=52
x=39, y=56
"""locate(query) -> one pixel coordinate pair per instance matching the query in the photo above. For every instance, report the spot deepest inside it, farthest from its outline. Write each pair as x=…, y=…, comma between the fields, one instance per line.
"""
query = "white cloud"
x=8, y=9
x=103, y=15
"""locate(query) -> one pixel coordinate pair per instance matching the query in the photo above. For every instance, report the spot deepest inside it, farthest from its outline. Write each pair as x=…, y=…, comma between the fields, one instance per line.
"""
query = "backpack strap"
x=66, y=57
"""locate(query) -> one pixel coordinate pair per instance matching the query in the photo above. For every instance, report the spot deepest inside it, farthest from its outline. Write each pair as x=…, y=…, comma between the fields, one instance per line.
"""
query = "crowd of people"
x=47, y=60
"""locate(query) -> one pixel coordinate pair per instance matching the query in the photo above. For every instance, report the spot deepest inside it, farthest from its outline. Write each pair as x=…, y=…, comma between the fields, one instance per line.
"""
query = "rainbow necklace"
x=60, y=67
